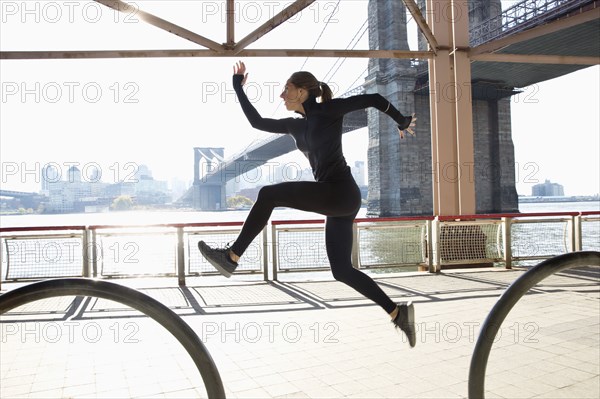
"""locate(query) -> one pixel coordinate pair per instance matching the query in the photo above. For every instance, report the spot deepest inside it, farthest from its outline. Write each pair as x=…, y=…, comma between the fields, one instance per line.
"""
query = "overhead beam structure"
x=31, y=55
x=123, y=7
x=271, y=24
x=449, y=67
x=230, y=15
x=422, y=24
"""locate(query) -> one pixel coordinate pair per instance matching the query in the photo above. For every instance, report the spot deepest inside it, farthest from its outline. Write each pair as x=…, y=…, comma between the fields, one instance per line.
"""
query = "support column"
x=451, y=109
x=394, y=186
x=463, y=108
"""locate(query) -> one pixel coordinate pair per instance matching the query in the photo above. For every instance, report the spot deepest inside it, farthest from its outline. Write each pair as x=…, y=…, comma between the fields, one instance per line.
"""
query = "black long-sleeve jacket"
x=319, y=133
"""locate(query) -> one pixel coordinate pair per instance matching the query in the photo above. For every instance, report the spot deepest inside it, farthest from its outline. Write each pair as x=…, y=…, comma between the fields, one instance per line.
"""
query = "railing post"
x=577, y=233
x=506, y=238
x=180, y=258
x=85, y=238
x=265, y=239
x=274, y=249
x=355, y=247
x=436, y=252
x=94, y=253
x=1, y=258
x=429, y=247
x=571, y=236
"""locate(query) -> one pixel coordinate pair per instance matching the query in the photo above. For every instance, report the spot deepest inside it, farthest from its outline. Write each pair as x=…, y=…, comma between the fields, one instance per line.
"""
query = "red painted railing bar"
x=393, y=219
x=166, y=225
x=590, y=213
x=505, y=215
x=40, y=228
x=300, y=221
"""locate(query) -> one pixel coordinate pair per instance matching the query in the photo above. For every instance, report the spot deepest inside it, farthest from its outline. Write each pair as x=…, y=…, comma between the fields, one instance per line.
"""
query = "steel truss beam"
x=121, y=6
x=32, y=55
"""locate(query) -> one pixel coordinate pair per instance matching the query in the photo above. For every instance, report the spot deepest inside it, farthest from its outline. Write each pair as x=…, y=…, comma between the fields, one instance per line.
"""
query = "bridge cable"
x=314, y=45
x=322, y=30
x=362, y=74
x=347, y=47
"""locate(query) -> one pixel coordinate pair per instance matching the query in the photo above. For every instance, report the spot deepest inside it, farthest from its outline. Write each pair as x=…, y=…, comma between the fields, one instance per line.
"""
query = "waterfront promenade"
x=310, y=338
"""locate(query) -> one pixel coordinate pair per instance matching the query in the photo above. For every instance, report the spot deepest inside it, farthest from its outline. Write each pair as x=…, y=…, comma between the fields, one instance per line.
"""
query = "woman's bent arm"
x=257, y=121
x=341, y=106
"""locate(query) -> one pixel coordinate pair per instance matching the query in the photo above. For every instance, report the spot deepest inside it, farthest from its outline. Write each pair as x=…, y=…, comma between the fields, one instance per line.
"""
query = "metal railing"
x=521, y=16
x=424, y=243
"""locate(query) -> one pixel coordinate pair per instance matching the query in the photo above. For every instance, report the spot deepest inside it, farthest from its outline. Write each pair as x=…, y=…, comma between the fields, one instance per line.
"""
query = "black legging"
x=340, y=202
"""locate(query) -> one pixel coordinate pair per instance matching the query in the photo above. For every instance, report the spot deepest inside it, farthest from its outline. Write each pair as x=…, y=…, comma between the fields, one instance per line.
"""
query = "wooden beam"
x=40, y=55
x=537, y=59
x=271, y=24
x=338, y=53
x=170, y=27
x=422, y=23
x=539, y=30
x=230, y=24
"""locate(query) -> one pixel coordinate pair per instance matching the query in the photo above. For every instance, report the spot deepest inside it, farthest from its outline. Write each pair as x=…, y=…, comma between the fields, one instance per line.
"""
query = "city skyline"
x=124, y=112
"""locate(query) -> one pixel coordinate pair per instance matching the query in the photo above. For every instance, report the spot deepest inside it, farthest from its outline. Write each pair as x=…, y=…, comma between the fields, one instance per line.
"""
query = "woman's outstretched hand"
x=409, y=128
x=240, y=69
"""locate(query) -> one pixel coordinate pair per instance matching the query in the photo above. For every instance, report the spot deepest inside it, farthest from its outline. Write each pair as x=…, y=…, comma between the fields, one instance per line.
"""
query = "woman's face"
x=293, y=97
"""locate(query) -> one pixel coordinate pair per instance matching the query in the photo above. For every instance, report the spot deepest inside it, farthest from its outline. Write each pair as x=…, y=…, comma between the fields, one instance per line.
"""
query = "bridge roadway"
x=560, y=28
x=28, y=200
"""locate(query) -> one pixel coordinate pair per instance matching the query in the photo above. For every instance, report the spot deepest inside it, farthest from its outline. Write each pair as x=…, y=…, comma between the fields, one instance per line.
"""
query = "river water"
x=169, y=217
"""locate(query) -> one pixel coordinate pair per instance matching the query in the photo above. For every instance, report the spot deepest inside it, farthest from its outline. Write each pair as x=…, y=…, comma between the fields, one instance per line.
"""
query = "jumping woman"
x=334, y=193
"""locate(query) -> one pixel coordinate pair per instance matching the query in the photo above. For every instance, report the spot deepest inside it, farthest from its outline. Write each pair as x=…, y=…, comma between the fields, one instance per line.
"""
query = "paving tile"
x=281, y=389
x=347, y=350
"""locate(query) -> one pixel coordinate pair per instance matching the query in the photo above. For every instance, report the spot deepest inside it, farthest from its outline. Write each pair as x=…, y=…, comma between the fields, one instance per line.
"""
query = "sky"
x=117, y=114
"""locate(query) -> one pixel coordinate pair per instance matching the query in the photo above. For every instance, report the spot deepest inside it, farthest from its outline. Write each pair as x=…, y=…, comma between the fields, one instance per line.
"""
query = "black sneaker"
x=405, y=320
x=219, y=258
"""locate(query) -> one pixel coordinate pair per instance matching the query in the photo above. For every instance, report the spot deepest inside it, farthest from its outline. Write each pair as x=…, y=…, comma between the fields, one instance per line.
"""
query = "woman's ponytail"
x=326, y=93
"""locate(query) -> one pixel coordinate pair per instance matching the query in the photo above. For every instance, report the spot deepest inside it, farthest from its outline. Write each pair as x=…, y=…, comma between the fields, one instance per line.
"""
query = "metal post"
x=1, y=252
x=429, y=243
x=180, y=258
x=274, y=244
x=265, y=239
x=355, y=246
x=577, y=233
x=85, y=272
x=506, y=238
x=94, y=253
x=437, y=261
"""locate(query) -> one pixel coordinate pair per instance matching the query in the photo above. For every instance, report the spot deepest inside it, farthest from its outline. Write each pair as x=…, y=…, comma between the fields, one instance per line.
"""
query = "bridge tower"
x=401, y=171
x=207, y=196
x=391, y=192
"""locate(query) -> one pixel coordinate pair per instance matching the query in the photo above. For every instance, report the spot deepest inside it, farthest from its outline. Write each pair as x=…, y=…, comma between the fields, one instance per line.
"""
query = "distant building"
x=548, y=189
x=50, y=174
x=77, y=194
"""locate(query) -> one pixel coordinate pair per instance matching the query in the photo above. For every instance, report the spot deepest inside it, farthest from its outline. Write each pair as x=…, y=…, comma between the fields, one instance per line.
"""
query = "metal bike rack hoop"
x=505, y=303
x=130, y=297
